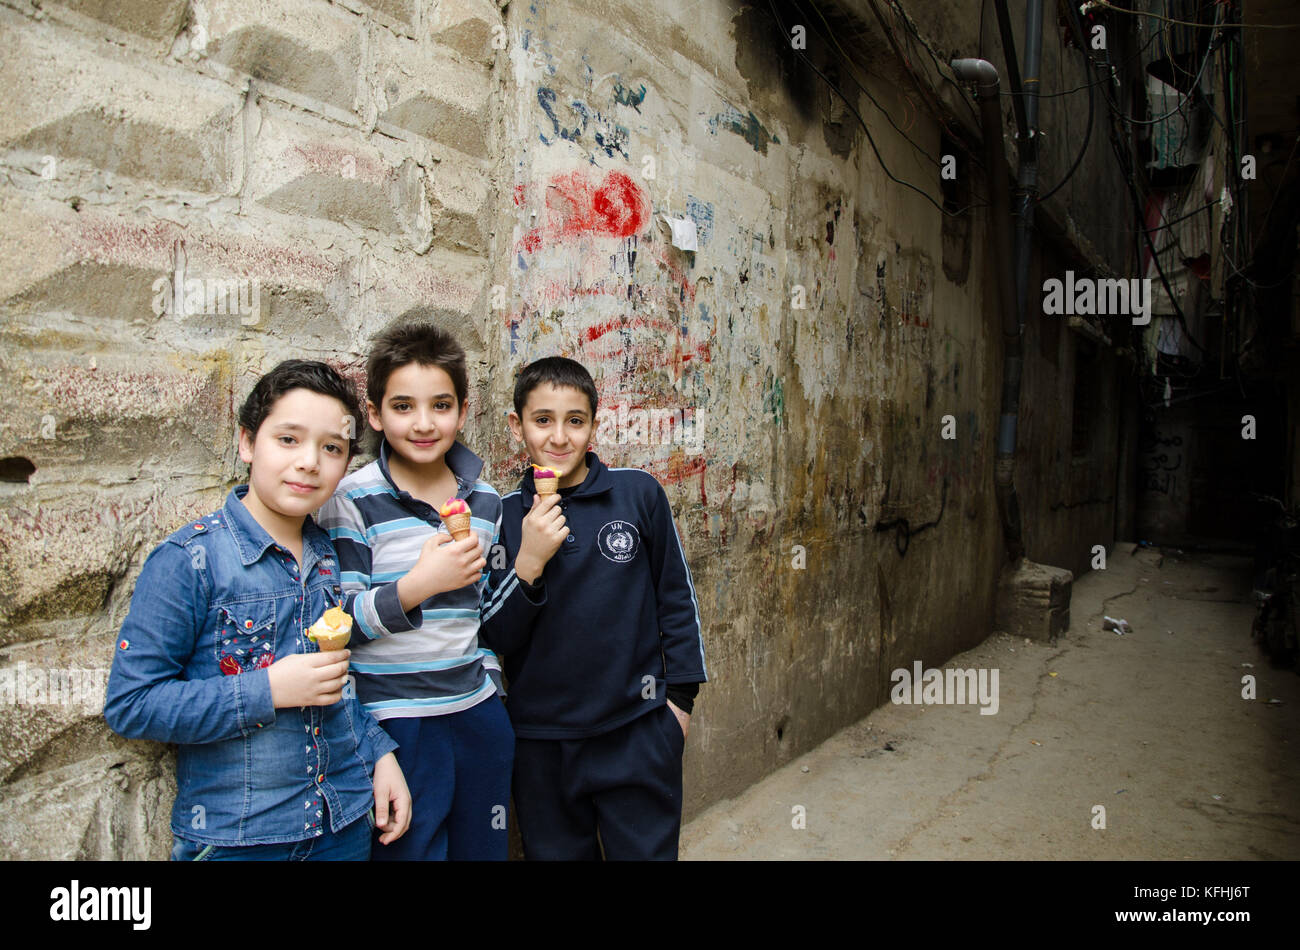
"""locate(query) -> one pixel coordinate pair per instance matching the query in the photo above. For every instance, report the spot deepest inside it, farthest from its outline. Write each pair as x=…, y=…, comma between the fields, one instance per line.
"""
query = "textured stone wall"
x=503, y=171
x=329, y=164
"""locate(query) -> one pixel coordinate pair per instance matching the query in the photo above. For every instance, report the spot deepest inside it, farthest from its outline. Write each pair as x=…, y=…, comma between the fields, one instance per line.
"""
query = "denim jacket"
x=215, y=605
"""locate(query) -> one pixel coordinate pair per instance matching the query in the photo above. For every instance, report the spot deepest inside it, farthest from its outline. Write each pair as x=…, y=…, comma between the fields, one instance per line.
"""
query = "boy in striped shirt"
x=413, y=593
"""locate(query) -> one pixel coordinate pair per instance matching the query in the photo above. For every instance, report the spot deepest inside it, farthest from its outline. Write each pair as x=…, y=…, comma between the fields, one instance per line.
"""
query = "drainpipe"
x=1013, y=67
x=984, y=76
x=1027, y=179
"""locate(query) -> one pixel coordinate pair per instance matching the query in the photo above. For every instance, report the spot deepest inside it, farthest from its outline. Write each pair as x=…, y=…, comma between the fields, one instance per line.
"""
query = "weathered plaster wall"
x=819, y=424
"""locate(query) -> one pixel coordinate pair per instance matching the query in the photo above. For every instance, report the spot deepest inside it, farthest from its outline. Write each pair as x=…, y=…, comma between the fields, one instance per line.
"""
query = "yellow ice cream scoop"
x=332, y=631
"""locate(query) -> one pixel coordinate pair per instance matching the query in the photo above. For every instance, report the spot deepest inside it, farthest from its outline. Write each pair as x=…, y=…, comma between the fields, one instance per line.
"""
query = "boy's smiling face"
x=298, y=457
x=556, y=429
x=420, y=415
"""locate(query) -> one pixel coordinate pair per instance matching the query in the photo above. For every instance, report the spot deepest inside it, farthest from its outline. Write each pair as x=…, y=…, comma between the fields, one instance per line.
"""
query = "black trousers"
x=625, y=785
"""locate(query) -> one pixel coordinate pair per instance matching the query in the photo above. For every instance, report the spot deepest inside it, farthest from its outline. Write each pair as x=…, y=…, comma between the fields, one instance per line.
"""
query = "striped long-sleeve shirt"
x=426, y=661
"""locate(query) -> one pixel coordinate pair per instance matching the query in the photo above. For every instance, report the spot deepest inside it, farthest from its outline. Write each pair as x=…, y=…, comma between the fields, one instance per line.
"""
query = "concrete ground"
x=1151, y=725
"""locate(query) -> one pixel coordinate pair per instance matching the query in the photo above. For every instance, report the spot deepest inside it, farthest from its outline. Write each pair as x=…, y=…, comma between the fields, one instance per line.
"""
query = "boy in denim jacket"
x=276, y=756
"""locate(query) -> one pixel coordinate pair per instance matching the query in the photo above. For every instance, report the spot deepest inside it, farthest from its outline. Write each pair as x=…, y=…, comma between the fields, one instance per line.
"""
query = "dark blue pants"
x=458, y=770
x=625, y=784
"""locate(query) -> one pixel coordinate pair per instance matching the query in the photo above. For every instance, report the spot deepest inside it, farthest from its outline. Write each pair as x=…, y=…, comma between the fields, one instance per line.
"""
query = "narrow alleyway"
x=1150, y=725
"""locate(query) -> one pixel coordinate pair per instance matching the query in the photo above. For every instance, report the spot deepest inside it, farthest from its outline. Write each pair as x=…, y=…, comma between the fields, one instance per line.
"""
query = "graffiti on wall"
x=600, y=284
x=1162, y=458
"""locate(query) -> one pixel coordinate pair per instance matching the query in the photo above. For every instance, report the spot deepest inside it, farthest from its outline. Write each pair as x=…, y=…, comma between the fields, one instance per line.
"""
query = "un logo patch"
x=618, y=541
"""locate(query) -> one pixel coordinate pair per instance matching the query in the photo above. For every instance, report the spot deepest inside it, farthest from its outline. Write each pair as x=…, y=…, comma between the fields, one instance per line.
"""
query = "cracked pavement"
x=1151, y=726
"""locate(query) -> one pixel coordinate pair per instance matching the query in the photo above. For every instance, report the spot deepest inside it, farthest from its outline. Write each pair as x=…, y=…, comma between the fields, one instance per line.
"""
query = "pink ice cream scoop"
x=545, y=480
x=455, y=515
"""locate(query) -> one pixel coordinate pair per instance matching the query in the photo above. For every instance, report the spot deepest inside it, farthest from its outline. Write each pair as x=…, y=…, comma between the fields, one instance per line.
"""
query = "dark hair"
x=421, y=343
x=300, y=374
x=558, y=370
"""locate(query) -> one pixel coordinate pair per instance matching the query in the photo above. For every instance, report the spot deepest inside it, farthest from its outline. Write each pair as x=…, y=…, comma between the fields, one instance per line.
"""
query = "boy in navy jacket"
x=591, y=602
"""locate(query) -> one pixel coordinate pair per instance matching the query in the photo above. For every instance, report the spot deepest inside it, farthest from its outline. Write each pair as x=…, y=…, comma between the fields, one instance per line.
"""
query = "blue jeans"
x=350, y=844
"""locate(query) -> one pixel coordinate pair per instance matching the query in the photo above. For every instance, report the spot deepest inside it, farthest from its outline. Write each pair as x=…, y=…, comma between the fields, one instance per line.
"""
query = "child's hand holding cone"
x=332, y=631
x=447, y=561
x=544, y=530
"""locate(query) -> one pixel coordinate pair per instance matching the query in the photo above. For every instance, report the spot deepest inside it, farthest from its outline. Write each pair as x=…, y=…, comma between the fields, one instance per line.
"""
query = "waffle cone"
x=546, y=486
x=458, y=525
x=331, y=641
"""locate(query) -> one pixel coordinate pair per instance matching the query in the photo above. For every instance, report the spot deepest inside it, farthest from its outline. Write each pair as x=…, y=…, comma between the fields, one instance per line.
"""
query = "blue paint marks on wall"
x=627, y=97
x=746, y=126
x=610, y=137
x=613, y=141
x=701, y=212
x=546, y=99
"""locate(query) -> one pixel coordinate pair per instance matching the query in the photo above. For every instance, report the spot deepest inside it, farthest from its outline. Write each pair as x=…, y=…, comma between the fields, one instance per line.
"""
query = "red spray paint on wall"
x=615, y=207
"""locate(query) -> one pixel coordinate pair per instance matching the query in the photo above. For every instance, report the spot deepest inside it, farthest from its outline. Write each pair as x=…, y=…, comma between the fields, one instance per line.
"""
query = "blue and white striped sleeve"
x=376, y=611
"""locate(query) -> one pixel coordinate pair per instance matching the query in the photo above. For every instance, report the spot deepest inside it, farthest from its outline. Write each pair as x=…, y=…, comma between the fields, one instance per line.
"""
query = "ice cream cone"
x=332, y=631
x=458, y=525
x=545, y=481
x=335, y=641
x=455, y=514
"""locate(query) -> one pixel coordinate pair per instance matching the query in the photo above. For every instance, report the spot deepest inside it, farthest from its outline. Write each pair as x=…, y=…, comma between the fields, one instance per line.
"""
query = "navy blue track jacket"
x=616, y=618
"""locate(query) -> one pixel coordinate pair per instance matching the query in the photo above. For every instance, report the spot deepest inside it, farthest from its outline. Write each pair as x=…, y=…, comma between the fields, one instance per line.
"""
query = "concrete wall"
x=820, y=423
x=358, y=163
x=1067, y=482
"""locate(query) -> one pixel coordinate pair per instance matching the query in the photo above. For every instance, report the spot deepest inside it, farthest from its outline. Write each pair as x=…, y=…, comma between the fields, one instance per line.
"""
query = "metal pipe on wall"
x=984, y=76
x=1027, y=179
